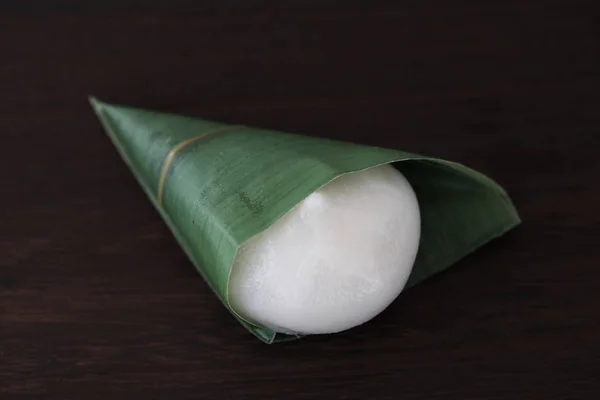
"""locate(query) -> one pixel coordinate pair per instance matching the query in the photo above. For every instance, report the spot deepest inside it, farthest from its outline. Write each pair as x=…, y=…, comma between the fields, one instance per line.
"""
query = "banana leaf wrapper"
x=217, y=185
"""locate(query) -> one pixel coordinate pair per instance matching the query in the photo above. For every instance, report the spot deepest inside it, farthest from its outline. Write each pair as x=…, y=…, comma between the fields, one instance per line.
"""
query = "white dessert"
x=333, y=262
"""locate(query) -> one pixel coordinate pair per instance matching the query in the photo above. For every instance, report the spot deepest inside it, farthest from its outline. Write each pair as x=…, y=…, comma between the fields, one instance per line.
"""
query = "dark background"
x=97, y=301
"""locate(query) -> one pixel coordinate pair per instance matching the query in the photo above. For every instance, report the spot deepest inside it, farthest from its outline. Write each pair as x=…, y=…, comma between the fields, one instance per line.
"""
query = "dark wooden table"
x=97, y=301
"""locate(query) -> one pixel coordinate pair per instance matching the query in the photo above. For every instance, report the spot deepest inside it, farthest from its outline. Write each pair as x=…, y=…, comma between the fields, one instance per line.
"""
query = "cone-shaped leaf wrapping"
x=217, y=185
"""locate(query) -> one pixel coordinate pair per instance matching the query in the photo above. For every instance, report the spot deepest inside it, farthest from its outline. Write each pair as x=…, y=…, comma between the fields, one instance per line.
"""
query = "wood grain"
x=98, y=302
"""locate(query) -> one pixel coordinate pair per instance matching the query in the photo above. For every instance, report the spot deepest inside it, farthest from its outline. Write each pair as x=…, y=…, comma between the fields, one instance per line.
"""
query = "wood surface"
x=97, y=301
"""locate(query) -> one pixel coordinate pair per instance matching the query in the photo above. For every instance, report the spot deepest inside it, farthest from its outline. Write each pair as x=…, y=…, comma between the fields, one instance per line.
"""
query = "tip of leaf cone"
x=95, y=103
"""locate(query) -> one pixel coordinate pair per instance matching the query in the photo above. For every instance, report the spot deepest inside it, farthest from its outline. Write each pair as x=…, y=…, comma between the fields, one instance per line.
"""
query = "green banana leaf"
x=217, y=185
